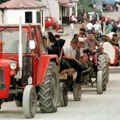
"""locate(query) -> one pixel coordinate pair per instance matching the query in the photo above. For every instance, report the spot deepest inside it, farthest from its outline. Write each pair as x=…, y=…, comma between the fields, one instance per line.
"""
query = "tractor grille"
x=1, y=76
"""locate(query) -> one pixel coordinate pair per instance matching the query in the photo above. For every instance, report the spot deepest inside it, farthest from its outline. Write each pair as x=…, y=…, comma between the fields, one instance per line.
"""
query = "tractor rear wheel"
x=63, y=95
x=77, y=91
x=29, y=101
x=107, y=72
x=49, y=91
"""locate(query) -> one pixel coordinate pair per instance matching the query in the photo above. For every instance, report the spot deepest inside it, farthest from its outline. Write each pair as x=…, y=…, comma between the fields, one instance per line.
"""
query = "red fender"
x=116, y=55
x=43, y=65
x=95, y=58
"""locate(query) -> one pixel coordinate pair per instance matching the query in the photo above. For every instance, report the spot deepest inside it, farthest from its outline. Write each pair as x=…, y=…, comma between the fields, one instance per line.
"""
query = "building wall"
x=52, y=9
x=12, y=16
x=1, y=20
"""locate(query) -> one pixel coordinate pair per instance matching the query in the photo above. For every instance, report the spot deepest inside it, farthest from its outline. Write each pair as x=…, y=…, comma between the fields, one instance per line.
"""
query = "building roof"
x=22, y=4
x=62, y=1
x=67, y=3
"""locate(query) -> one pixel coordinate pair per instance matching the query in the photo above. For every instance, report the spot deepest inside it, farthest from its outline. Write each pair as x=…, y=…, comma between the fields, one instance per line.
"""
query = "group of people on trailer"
x=72, y=54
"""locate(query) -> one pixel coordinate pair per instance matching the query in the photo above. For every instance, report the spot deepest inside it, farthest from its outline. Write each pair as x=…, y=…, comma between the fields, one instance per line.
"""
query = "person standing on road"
x=72, y=29
x=116, y=6
x=89, y=27
x=72, y=20
x=97, y=28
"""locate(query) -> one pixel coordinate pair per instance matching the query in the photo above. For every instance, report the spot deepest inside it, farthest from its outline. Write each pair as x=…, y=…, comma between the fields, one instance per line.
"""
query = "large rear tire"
x=63, y=95
x=29, y=101
x=77, y=91
x=49, y=91
x=107, y=72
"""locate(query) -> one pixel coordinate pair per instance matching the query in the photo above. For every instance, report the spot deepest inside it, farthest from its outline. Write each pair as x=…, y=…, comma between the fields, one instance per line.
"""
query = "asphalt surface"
x=91, y=107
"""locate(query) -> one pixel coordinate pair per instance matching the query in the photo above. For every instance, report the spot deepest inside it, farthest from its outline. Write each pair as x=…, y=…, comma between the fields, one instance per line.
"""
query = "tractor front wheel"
x=49, y=91
x=29, y=101
x=77, y=91
x=99, y=82
x=63, y=95
x=18, y=103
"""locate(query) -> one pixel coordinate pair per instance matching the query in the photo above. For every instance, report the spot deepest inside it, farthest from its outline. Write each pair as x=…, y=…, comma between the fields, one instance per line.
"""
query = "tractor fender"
x=43, y=66
x=116, y=55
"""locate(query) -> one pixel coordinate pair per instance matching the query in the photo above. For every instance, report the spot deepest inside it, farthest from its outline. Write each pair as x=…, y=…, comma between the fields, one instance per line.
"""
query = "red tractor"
x=27, y=73
x=100, y=70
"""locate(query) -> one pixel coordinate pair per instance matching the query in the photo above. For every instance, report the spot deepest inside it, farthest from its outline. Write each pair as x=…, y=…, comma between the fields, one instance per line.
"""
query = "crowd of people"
x=111, y=7
x=73, y=55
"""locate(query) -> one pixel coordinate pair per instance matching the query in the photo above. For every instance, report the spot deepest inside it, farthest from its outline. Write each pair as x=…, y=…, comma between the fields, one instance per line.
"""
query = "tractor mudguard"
x=95, y=57
x=116, y=55
x=43, y=65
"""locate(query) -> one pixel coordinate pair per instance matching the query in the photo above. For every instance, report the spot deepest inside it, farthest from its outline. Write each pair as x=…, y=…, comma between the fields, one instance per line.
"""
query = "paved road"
x=91, y=107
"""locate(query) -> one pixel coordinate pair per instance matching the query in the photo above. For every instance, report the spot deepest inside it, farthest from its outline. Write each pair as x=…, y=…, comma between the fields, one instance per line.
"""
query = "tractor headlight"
x=13, y=66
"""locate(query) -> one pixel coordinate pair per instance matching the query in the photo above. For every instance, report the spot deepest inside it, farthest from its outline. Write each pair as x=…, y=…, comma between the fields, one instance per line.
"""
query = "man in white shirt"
x=70, y=57
x=97, y=27
x=70, y=50
x=89, y=27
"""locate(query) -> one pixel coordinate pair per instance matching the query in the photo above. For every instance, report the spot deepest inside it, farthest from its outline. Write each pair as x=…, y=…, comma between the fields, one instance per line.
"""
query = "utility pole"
x=48, y=7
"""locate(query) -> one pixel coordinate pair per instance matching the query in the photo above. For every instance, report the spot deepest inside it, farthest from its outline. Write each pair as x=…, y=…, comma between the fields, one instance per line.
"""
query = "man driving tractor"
x=92, y=43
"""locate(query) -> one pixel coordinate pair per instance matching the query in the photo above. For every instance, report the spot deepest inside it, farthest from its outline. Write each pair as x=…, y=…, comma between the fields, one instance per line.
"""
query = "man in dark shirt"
x=56, y=45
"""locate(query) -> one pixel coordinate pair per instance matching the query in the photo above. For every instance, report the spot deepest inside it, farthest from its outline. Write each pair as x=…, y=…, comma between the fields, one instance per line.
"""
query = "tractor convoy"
x=28, y=75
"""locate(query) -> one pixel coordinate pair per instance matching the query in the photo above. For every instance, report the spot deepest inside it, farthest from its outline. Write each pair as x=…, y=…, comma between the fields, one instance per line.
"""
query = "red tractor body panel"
x=42, y=67
x=5, y=77
x=116, y=55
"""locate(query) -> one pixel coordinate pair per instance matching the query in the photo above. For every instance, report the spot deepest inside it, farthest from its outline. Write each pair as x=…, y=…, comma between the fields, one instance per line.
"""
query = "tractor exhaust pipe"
x=20, y=47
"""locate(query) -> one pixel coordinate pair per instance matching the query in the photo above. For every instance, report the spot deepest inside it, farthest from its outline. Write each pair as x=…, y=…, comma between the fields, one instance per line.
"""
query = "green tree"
x=2, y=1
x=85, y=5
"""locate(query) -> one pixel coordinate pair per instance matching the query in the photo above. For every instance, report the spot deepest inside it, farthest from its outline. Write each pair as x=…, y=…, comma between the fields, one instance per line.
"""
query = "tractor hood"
x=6, y=62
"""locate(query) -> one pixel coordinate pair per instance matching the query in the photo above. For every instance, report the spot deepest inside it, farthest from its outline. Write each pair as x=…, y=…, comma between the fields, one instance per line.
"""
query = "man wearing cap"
x=80, y=48
x=70, y=50
x=92, y=43
x=70, y=57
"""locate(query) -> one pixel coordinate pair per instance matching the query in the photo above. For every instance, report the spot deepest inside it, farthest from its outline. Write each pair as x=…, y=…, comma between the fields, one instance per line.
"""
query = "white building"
x=31, y=11
x=61, y=9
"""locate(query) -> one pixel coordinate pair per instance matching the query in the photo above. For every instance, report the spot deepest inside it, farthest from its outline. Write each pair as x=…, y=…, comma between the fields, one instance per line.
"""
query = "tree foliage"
x=2, y=1
x=85, y=5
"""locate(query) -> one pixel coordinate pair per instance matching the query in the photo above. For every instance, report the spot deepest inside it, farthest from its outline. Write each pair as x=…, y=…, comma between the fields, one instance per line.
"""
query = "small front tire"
x=29, y=101
x=63, y=95
x=77, y=91
x=99, y=82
